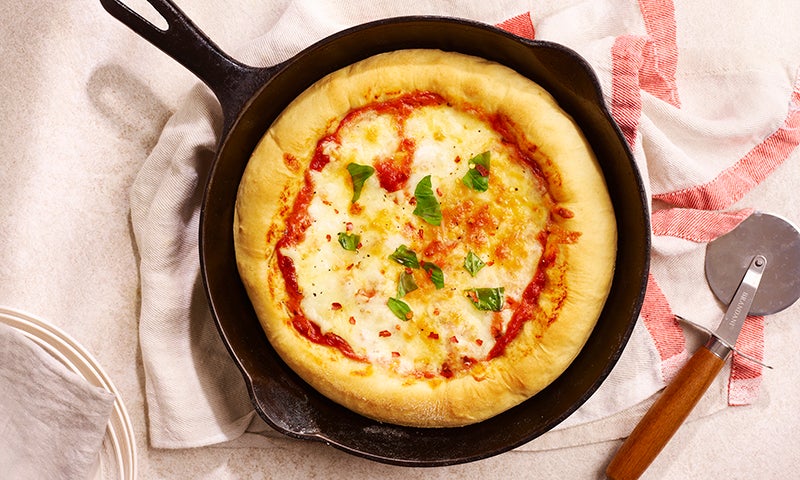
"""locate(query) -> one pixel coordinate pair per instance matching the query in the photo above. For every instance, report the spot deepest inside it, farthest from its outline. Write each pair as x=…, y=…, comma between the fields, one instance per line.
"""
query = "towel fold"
x=700, y=145
x=52, y=421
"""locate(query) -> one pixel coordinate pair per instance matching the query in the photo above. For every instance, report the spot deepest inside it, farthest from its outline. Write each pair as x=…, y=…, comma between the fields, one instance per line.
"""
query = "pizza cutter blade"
x=754, y=269
x=760, y=233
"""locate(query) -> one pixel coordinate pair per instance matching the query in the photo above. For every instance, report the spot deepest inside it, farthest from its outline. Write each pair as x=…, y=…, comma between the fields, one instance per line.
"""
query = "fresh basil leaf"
x=406, y=257
x=473, y=263
x=400, y=309
x=358, y=174
x=477, y=176
x=487, y=298
x=349, y=241
x=406, y=284
x=428, y=207
x=434, y=273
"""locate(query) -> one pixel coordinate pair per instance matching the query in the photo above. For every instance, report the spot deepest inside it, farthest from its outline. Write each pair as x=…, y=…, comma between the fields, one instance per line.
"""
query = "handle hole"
x=144, y=9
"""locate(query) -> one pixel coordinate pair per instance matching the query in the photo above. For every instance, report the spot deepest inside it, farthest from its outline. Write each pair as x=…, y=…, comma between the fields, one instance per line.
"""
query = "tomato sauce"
x=526, y=151
x=297, y=223
x=527, y=304
x=311, y=331
x=393, y=174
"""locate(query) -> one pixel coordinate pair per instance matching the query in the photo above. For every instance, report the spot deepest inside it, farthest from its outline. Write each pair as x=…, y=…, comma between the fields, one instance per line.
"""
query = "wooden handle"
x=665, y=416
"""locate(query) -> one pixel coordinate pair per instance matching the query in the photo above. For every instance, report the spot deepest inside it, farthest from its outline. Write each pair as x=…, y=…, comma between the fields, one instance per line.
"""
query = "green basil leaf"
x=477, y=176
x=359, y=174
x=473, y=263
x=406, y=284
x=428, y=207
x=487, y=298
x=434, y=273
x=400, y=309
x=349, y=241
x=406, y=257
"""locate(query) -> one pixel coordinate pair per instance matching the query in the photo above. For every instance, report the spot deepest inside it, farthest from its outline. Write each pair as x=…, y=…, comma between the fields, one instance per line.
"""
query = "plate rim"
x=119, y=430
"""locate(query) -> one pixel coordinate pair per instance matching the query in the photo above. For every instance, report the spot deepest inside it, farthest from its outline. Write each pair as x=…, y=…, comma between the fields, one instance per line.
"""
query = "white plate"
x=118, y=454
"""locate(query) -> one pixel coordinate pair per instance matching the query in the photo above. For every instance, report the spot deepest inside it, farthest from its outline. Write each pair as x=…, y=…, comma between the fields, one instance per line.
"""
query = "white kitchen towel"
x=699, y=144
x=52, y=421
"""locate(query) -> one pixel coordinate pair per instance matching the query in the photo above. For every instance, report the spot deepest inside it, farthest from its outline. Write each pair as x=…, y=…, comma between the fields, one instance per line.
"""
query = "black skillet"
x=251, y=99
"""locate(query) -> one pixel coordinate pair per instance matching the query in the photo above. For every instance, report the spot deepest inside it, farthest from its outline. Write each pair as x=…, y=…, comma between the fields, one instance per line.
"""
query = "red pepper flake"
x=328, y=238
x=366, y=293
x=349, y=226
x=409, y=271
x=409, y=315
x=412, y=201
x=356, y=208
x=336, y=306
x=352, y=320
x=438, y=191
x=482, y=170
x=478, y=341
x=446, y=372
x=433, y=336
x=350, y=267
x=421, y=234
x=384, y=333
x=564, y=212
x=395, y=354
x=436, y=311
x=458, y=159
x=497, y=332
x=291, y=162
x=453, y=339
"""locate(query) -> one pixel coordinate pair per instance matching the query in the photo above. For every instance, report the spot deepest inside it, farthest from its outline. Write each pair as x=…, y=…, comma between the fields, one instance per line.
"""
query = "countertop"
x=84, y=103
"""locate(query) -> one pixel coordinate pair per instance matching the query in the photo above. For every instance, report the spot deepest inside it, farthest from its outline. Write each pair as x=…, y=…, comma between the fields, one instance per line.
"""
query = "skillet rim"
x=316, y=431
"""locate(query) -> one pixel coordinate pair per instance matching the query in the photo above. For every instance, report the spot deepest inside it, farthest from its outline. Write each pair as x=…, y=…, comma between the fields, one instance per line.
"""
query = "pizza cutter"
x=755, y=270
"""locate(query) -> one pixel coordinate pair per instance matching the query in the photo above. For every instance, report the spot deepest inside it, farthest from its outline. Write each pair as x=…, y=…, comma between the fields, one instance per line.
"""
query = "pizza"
x=426, y=238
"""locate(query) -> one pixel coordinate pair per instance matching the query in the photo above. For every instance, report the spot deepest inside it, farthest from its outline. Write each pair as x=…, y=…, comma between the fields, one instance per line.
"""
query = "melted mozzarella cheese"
x=346, y=292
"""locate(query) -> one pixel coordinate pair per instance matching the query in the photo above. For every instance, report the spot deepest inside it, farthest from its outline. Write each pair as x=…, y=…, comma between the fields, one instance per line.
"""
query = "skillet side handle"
x=666, y=415
x=232, y=82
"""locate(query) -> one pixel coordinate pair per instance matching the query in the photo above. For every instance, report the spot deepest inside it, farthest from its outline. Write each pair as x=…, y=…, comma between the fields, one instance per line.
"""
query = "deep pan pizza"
x=426, y=238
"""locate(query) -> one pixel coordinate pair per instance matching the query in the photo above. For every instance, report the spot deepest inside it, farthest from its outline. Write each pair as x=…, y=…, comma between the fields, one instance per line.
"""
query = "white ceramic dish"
x=118, y=454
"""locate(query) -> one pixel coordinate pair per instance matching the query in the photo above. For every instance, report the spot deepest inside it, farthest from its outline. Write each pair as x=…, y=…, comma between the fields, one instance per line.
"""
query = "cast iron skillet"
x=251, y=98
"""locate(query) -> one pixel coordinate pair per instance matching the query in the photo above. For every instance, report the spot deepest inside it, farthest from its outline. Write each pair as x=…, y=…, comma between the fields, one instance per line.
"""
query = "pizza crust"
x=275, y=175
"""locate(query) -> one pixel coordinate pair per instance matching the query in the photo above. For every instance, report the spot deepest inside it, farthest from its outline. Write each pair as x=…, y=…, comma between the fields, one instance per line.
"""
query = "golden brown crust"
x=583, y=237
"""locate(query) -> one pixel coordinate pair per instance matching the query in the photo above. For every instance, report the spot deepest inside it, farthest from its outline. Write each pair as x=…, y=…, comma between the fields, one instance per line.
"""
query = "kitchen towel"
x=701, y=146
x=52, y=421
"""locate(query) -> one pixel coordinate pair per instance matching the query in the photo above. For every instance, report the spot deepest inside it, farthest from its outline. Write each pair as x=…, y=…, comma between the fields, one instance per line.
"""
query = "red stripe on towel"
x=647, y=63
x=626, y=101
x=733, y=183
x=627, y=58
x=661, y=56
x=663, y=328
x=521, y=25
x=745, y=378
x=699, y=226
x=703, y=226
x=650, y=64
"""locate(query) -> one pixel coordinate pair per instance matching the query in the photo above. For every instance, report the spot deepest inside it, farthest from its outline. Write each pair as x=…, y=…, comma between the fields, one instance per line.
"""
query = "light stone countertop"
x=84, y=101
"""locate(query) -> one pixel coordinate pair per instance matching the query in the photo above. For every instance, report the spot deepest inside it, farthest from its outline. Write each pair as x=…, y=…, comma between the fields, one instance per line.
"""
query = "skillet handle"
x=232, y=82
x=669, y=411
